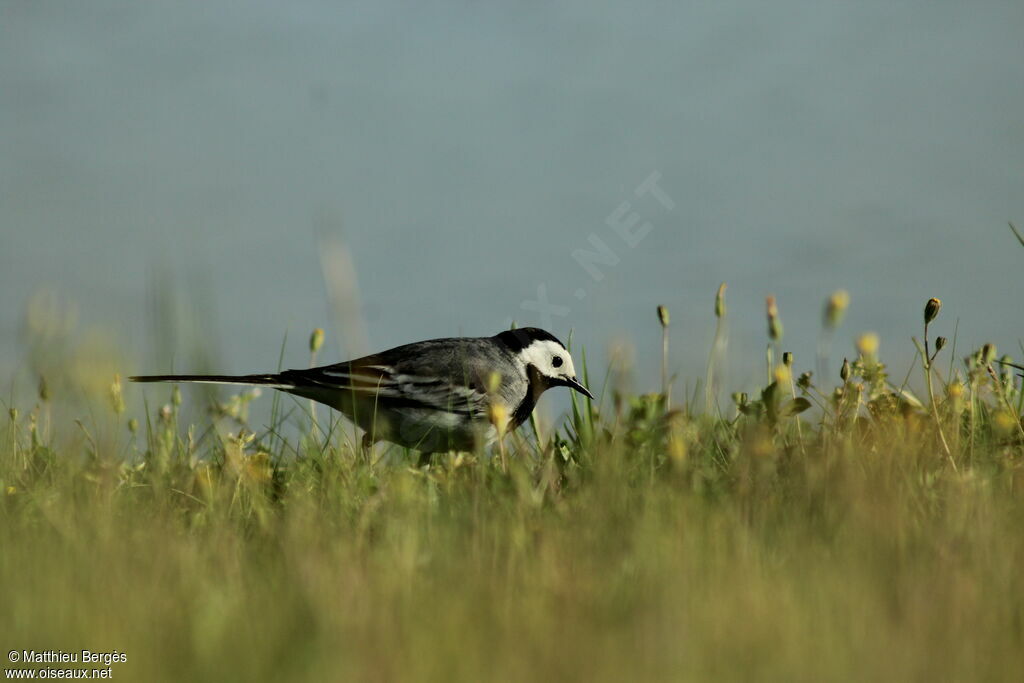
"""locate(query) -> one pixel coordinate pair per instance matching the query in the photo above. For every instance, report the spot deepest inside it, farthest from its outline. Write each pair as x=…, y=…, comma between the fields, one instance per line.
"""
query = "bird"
x=437, y=395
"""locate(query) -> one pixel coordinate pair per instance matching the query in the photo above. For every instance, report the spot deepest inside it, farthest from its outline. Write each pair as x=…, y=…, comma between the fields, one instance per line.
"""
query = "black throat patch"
x=537, y=386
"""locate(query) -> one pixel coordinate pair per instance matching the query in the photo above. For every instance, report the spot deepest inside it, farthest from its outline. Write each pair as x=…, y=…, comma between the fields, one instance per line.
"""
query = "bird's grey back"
x=462, y=360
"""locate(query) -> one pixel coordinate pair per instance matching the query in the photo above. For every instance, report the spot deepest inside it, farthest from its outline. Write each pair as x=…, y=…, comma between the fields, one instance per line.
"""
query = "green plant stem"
x=710, y=395
x=931, y=398
x=666, y=390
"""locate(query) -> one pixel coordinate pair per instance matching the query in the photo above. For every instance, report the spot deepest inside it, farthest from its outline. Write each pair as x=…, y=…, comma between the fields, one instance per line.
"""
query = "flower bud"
x=1006, y=362
x=835, y=309
x=133, y=425
x=988, y=354
x=498, y=415
x=931, y=309
x=116, y=397
x=787, y=359
x=13, y=412
x=316, y=340
x=955, y=392
x=940, y=342
x=844, y=372
x=663, y=316
x=720, y=301
x=774, y=324
x=493, y=382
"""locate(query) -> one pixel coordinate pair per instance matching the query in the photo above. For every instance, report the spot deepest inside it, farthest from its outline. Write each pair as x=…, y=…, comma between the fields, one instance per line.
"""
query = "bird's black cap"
x=518, y=339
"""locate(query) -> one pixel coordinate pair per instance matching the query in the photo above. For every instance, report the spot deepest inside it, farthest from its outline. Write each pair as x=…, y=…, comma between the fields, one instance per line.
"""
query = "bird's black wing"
x=432, y=379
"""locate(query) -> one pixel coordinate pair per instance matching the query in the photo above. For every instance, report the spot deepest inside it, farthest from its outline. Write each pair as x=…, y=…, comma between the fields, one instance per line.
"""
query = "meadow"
x=831, y=527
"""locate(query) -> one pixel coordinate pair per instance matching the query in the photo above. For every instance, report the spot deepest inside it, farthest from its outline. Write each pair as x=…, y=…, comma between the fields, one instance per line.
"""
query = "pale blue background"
x=463, y=150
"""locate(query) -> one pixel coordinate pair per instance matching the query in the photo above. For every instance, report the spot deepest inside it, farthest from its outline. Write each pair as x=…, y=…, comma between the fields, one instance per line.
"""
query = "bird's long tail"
x=275, y=381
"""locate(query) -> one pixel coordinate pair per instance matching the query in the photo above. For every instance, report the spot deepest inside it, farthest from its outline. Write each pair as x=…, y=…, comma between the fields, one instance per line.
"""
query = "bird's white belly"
x=422, y=429
x=426, y=430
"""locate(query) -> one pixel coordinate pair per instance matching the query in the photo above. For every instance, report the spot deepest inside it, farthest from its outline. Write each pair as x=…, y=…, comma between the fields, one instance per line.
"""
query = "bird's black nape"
x=518, y=339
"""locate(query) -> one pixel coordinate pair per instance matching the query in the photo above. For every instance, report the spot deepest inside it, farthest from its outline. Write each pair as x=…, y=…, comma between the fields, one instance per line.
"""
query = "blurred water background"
x=177, y=170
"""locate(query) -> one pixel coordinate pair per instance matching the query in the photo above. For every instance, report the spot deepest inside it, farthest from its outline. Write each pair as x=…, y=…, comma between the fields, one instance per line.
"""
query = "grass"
x=809, y=532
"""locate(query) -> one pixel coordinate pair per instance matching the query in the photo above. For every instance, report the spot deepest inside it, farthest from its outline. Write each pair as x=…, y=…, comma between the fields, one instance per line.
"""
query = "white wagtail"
x=434, y=395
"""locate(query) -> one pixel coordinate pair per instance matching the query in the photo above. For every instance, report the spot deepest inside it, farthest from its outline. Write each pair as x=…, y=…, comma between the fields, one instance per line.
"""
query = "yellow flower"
x=1003, y=423
x=867, y=344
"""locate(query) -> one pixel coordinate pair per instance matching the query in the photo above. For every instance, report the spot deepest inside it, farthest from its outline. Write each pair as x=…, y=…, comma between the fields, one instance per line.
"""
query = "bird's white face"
x=554, y=364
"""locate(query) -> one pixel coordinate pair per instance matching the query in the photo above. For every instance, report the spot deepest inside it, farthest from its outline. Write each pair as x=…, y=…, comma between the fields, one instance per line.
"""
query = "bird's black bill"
x=573, y=383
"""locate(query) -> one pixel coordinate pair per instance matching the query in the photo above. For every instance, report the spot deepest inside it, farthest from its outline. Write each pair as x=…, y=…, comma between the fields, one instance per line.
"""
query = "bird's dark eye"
x=556, y=361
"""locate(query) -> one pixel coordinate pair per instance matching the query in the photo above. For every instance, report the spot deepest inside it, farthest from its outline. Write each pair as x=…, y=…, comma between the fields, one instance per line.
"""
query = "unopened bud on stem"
x=498, y=415
x=493, y=382
x=931, y=309
x=116, y=396
x=988, y=354
x=663, y=316
x=720, y=301
x=316, y=340
x=774, y=324
x=835, y=309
